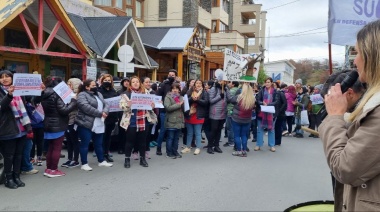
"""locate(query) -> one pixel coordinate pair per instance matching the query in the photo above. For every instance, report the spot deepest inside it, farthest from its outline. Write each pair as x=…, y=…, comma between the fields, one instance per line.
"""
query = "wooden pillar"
x=203, y=61
x=180, y=64
x=84, y=70
x=154, y=75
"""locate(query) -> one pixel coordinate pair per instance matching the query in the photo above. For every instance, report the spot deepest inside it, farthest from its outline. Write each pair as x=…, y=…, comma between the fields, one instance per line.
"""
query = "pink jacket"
x=289, y=100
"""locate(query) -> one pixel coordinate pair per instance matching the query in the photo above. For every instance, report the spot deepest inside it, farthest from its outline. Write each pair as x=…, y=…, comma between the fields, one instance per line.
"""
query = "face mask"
x=171, y=79
x=94, y=89
x=107, y=84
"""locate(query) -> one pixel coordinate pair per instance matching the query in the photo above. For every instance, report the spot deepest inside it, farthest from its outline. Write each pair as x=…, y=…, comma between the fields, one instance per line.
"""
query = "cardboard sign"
x=113, y=104
x=158, y=102
x=27, y=84
x=142, y=101
x=64, y=92
x=316, y=99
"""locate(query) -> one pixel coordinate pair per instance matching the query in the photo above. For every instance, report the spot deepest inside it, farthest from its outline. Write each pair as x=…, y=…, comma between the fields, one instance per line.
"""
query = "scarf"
x=267, y=118
x=195, y=94
x=140, y=116
x=176, y=97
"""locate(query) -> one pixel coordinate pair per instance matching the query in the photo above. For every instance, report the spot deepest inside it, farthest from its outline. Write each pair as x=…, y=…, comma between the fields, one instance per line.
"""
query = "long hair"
x=105, y=76
x=368, y=47
x=246, y=99
x=85, y=84
x=141, y=89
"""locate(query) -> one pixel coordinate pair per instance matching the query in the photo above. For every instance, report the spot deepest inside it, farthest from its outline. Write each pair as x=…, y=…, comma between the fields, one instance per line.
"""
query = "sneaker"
x=228, y=144
x=171, y=156
x=94, y=154
x=253, y=140
x=151, y=144
x=257, y=148
x=33, y=171
x=186, y=150
x=39, y=162
x=236, y=153
x=135, y=156
x=177, y=155
x=47, y=171
x=73, y=164
x=55, y=173
x=105, y=164
x=147, y=155
x=243, y=154
x=284, y=132
x=86, y=167
x=197, y=151
x=110, y=154
x=272, y=149
x=67, y=164
x=247, y=149
x=33, y=161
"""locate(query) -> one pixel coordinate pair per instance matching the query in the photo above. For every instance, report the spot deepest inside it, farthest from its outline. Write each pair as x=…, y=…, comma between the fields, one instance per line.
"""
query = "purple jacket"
x=289, y=99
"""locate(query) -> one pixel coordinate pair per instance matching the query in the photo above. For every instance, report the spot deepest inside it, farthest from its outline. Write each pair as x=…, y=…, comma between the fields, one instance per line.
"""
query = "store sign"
x=91, y=69
x=194, y=54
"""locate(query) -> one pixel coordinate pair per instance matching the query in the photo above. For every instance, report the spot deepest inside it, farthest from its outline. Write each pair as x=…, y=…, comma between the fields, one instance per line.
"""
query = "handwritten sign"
x=27, y=84
x=158, y=102
x=113, y=104
x=232, y=62
x=316, y=99
x=142, y=101
x=64, y=92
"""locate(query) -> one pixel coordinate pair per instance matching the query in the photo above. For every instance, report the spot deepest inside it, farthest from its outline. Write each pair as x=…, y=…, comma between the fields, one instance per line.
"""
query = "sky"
x=304, y=24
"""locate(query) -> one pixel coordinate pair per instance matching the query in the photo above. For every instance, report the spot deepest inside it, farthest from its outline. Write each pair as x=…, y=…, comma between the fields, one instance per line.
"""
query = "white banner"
x=158, y=102
x=316, y=99
x=347, y=17
x=234, y=67
x=64, y=92
x=27, y=84
x=113, y=104
x=186, y=105
x=142, y=101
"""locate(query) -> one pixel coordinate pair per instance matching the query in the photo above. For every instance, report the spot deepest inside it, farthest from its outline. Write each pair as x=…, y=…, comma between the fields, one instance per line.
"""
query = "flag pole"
x=330, y=59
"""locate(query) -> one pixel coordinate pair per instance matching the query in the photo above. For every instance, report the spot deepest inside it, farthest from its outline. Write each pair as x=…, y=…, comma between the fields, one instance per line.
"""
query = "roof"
x=281, y=61
x=153, y=63
x=11, y=8
x=166, y=38
x=99, y=33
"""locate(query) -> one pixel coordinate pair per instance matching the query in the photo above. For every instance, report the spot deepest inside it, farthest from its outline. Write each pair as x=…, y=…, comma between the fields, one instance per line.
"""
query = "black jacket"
x=283, y=104
x=275, y=102
x=164, y=88
x=8, y=124
x=56, y=111
x=202, y=104
x=112, y=117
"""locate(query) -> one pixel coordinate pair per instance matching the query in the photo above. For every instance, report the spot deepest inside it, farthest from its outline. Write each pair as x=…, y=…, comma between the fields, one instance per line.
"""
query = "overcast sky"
x=305, y=18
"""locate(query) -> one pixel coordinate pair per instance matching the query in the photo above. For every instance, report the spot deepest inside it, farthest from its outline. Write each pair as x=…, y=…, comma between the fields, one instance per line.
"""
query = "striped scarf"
x=267, y=118
x=140, y=117
x=19, y=111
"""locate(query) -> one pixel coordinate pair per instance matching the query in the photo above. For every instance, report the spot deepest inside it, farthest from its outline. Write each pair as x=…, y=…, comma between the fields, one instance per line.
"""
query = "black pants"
x=289, y=121
x=149, y=137
x=278, y=130
x=12, y=150
x=38, y=141
x=72, y=144
x=134, y=138
x=215, y=132
x=107, y=137
x=315, y=121
x=122, y=138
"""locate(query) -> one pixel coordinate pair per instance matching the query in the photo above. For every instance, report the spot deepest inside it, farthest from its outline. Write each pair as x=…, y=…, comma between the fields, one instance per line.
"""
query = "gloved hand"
x=222, y=95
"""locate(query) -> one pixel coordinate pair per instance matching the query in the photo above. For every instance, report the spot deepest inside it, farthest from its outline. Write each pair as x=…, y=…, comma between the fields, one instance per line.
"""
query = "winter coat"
x=112, y=117
x=8, y=124
x=164, y=88
x=239, y=114
x=88, y=109
x=300, y=106
x=282, y=106
x=218, y=106
x=289, y=100
x=353, y=155
x=174, y=118
x=230, y=106
x=202, y=104
x=56, y=111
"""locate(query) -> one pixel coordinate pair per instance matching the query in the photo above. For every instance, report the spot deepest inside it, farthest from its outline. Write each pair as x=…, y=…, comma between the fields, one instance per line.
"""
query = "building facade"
x=281, y=70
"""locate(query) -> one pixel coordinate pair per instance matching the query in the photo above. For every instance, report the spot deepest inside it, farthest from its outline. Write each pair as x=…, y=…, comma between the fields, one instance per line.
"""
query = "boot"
x=127, y=163
x=158, y=152
x=9, y=182
x=16, y=178
x=108, y=158
x=143, y=162
x=217, y=149
x=210, y=150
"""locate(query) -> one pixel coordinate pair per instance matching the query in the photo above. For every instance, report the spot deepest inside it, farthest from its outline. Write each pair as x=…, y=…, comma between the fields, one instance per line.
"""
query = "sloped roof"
x=166, y=38
x=99, y=33
x=11, y=7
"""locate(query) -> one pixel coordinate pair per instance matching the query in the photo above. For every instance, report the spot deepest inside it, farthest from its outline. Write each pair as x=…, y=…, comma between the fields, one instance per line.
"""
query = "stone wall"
x=190, y=13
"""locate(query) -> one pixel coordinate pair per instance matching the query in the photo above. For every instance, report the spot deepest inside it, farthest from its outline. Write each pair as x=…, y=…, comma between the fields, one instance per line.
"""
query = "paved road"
x=264, y=181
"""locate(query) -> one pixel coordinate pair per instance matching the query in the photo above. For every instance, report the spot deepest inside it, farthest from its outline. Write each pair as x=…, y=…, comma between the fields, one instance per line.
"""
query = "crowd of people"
x=28, y=140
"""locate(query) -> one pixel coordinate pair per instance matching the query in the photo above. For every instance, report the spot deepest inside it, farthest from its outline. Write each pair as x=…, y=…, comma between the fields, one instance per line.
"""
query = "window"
x=129, y=2
x=225, y=5
x=129, y=11
x=138, y=10
x=119, y=4
x=163, y=9
x=202, y=34
x=103, y=2
x=213, y=27
x=222, y=27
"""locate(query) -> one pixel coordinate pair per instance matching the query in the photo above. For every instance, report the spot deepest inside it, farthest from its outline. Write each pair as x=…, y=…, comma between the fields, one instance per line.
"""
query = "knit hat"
x=319, y=87
x=299, y=81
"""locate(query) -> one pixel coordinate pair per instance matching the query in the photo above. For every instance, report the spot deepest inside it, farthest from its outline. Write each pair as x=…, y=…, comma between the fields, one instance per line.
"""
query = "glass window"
x=103, y=2
x=222, y=27
x=129, y=11
x=202, y=34
x=119, y=4
x=138, y=9
x=15, y=66
x=213, y=27
x=129, y=2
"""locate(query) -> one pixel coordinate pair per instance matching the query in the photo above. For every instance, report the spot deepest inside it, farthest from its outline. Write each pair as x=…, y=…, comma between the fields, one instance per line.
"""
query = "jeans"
x=85, y=136
x=38, y=140
x=162, y=130
x=54, y=152
x=136, y=140
x=107, y=137
x=72, y=144
x=278, y=130
x=230, y=130
x=172, y=142
x=191, y=130
x=12, y=152
x=298, y=122
x=260, y=134
x=26, y=165
x=241, y=130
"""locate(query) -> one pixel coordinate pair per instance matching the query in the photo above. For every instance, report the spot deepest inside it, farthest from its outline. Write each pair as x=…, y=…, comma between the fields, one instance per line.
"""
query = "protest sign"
x=235, y=67
x=113, y=104
x=267, y=109
x=142, y=101
x=316, y=99
x=186, y=103
x=91, y=69
x=158, y=102
x=64, y=92
x=27, y=84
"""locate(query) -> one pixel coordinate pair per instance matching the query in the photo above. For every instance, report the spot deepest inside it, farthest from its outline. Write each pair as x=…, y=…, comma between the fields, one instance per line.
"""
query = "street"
x=264, y=181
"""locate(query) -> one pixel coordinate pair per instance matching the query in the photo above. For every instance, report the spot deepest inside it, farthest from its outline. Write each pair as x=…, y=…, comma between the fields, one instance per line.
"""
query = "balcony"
x=218, y=13
x=204, y=18
x=228, y=38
